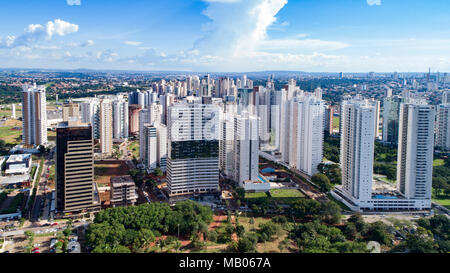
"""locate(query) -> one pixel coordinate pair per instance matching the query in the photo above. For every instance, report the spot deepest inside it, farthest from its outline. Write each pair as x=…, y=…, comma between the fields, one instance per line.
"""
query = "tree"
x=245, y=245
x=322, y=182
x=161, y=243
x=240, y=230
x=177, y=246
x=379, y=232
x=331, y=213
x=358, y=221
x=158, y=172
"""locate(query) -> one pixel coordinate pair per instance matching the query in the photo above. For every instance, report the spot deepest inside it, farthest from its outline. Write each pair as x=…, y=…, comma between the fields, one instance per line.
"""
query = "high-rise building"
x=106, y=127
x=226, y=144
x=120, y=118
x=357, y=148
x=75, y=189
x=133, y=115
x=89, y=113
x=307, y=133
x=246, y=148
x=329, y=117
x=443, y=127
x=34, y=115
x=415, y=152
x=391, y=114
x=71, y=111
x=193, y=149
x=149, y=147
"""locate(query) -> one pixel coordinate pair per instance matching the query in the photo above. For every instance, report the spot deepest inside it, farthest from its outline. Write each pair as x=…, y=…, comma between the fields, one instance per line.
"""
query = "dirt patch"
x=105, y=170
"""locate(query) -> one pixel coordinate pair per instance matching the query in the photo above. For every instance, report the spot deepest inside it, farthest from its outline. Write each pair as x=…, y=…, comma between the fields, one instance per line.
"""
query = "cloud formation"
x=132, y=43
x=74, y=2
x=374, y=2
x=36, y=32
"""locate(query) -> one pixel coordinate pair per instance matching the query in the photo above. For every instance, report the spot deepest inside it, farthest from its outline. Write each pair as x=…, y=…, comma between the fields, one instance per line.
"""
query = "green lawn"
x=9, y=135
x=336, y=121
x=438, y=162
x=134, y=148
x=443, y=202
x=284, y=196
x=252, y=195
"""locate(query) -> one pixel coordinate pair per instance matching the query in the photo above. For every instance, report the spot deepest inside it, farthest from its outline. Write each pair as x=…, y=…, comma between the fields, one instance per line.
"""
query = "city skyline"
x=349, y=36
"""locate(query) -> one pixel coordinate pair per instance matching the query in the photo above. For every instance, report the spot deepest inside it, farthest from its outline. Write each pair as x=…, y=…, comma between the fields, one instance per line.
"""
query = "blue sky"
x=227, y=35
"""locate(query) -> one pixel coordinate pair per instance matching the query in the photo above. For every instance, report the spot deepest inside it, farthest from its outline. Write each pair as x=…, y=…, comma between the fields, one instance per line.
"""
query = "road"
x=21, y=232
x=41, y=188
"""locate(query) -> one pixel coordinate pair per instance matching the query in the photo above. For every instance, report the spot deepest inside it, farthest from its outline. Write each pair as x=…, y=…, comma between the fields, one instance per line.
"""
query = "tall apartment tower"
x=71, y=111
x=328, y=119
x=89, y=113
x=308, y=134
x=34, y=114
x=193, y=149
x=226, y=144
x=246, y=148
x=149, y=147
x=75, y=189
x=106, y=127
x=391, y=114
x=415, y=151
x=120, y=118
x=443, y=127
x=357, y=148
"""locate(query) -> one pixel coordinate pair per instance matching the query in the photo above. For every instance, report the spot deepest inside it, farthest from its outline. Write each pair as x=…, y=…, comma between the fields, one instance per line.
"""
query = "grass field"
x=285, y=196
x=9, y=135
x=443, y=202
x=134, y=147
x=438, y=162
x=253, y=195
x=336, y=121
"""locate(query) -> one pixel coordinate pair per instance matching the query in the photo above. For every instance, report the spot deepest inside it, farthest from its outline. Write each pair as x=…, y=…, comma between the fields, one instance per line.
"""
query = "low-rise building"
x=123, y=191
x=18, y=164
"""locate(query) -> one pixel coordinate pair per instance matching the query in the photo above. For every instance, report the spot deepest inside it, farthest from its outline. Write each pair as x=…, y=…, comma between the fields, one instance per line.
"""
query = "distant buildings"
x=123, y=191
x=193, y=149
x=34, y=114
x=75, y=186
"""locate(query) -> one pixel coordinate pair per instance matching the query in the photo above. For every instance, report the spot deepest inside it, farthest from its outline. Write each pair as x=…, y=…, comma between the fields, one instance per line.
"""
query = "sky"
x=227, y=35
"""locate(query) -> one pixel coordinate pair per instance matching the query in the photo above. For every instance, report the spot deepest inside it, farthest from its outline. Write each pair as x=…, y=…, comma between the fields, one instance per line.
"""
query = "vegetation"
x=129, y=229
x=432, y=236
x=15, y=204
x=332, y=171
x=322, y=182
x=331, y=146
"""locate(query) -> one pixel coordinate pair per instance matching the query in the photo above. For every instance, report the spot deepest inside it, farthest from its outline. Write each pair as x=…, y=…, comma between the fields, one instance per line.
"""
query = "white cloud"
x=132, y=43
x=374, y=2
x=74, y=2
x=36, y=32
